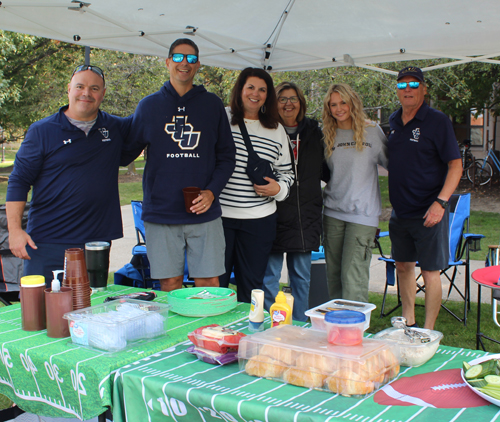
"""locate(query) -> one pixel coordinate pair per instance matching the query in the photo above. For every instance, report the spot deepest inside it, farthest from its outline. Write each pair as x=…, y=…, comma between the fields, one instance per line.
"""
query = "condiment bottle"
x=256, y=317
x=33, y=302
x=289, y=298
x=280, y=311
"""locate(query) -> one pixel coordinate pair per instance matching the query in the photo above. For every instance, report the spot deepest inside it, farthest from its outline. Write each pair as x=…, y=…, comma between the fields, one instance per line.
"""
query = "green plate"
x=202, y=301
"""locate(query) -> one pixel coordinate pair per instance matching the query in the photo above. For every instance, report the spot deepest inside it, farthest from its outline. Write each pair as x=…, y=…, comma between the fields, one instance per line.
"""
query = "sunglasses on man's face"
x=84, y=67
x=412, y=85
x=178, y=58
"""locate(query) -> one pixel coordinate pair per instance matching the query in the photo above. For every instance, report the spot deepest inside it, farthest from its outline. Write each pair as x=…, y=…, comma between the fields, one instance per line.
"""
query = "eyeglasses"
x=284, y=100
x=413, y=85
x=178, y=58
x=84, y=67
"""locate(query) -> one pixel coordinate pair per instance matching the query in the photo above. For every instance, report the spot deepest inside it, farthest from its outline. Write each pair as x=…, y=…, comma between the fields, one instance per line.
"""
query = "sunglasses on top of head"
x=178, y=58
x=412, y=85
x=84, y=67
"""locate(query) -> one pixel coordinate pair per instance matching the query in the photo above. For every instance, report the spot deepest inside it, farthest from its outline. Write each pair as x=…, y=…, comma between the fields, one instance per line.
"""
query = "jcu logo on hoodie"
x=183, y=133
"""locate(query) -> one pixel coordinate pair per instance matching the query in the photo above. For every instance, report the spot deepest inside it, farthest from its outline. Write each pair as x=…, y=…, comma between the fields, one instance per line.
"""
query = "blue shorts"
x=203, y=244
x=411, y=241
x=46, y=258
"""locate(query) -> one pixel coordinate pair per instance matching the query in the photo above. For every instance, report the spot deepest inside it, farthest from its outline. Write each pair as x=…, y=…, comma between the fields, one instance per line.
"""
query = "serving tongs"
x=413, y=335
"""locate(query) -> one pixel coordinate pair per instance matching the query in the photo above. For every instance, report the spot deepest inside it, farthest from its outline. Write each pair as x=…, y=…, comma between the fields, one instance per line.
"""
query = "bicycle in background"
x=482, y=169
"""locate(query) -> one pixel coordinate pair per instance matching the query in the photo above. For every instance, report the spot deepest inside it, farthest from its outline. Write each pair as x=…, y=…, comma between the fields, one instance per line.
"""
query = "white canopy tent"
x=275, y=34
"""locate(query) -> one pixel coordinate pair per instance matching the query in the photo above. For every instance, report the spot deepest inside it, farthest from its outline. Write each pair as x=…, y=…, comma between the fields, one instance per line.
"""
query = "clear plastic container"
x=116, y=325
x=412, y=353
x=317, y=314
x=344, y=327
x=303, y=357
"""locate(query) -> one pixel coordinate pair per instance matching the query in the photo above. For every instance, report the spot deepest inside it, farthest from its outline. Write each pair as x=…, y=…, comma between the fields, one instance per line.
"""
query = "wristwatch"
x=442, y=202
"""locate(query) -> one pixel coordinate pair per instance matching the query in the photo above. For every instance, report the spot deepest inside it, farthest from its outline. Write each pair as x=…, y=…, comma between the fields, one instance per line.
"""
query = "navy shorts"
x=411, y=241
x=47, y=258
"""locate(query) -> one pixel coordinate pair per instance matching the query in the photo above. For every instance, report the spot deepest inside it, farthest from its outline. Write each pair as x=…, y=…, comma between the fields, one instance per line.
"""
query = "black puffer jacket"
x=299, y=216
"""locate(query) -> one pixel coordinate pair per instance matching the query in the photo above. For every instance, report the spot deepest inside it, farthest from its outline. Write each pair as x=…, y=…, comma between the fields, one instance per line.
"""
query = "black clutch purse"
x=257, y=168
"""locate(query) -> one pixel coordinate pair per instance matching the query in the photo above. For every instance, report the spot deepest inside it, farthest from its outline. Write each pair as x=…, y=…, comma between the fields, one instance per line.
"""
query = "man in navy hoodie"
x=189, y=143
x=71, y=160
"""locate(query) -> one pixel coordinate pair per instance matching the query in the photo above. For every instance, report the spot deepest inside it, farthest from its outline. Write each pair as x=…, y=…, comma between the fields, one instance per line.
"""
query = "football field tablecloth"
x=174, y=386
x=54, y=377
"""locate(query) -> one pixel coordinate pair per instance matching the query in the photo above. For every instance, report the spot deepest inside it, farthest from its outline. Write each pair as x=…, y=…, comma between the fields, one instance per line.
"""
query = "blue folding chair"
x=139, y=251
x=461, y=244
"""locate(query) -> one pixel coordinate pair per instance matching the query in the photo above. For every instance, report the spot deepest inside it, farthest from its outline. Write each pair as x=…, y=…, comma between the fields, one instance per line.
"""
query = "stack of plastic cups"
x=75, y=276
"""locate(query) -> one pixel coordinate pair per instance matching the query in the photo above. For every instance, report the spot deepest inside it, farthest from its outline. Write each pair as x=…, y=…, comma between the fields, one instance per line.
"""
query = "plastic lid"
x=32, y=280
x=97, y=246
x=287, y=289
x=345, y=317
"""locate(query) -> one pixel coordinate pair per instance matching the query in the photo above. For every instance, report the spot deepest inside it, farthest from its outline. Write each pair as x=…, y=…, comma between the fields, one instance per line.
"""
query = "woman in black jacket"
x=299, y=216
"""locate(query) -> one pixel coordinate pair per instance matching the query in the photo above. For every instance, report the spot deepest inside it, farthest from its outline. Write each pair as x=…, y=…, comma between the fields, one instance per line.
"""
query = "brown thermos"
x=33, y=302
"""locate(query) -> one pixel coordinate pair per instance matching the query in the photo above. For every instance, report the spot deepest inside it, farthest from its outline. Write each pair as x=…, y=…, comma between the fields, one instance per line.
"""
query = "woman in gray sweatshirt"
x=352, y=204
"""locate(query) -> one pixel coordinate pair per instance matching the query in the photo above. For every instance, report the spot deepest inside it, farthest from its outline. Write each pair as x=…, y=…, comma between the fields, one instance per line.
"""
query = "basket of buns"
x=303, y=357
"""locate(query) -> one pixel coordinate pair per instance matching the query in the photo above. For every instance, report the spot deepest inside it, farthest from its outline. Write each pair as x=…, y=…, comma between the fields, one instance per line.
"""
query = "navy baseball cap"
x=416, y=72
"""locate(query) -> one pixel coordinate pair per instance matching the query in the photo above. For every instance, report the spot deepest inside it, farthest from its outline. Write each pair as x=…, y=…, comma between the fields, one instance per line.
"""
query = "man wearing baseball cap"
x=424, y=171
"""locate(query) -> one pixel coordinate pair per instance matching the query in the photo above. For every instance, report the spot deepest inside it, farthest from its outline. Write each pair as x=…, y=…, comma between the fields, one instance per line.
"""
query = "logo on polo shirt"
x=65, y=142
x=183, y=133
x=105, y=133
x=416, y=135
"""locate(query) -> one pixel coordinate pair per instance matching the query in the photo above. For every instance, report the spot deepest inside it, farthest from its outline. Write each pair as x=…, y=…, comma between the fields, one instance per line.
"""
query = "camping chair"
x=140, y=256
x=11, y=267
x=461, y=244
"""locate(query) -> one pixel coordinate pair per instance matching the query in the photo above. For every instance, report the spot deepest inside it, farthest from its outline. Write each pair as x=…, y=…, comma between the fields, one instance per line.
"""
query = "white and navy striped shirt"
x=238, y=199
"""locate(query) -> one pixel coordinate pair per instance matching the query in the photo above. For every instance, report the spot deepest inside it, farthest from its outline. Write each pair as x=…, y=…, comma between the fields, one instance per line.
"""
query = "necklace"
x=249, y=121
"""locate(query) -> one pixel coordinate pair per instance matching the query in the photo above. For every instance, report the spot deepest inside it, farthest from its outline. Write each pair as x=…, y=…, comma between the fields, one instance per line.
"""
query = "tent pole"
x=87, y=55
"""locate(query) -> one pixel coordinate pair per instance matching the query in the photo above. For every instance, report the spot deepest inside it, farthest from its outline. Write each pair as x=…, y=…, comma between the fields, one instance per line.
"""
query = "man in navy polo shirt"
x=71, y=160
x=424, y=171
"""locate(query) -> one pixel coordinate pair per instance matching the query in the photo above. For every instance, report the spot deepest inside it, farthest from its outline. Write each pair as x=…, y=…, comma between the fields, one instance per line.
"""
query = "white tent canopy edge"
x=277, y=35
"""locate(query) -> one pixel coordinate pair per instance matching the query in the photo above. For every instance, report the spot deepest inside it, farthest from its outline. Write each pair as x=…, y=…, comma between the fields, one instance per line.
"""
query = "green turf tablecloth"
x=54, y=377
x=174, y=386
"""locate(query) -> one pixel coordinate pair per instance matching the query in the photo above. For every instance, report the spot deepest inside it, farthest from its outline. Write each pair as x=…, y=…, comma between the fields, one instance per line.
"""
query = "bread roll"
x=264, y=366
x=348, y=383
x=304, y=377
x=282, y=354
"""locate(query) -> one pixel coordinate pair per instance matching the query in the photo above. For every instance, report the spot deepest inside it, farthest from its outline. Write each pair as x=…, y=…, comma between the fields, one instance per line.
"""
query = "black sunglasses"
x=95, y=69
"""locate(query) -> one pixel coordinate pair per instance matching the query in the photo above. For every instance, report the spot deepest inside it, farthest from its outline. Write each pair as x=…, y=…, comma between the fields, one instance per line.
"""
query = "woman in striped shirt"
x=249, y=210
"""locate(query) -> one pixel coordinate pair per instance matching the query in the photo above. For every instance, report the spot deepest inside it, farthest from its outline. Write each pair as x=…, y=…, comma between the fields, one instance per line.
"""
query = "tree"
x=31, y=80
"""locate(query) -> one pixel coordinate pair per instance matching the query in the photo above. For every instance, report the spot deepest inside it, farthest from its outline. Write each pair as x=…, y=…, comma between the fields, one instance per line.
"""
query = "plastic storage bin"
x=412, y=353
x=317, y=314
x=303, y=357
x=115, y=325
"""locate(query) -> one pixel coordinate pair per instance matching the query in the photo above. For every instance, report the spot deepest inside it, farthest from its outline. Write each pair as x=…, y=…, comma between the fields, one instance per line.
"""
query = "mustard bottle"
x=280, y=311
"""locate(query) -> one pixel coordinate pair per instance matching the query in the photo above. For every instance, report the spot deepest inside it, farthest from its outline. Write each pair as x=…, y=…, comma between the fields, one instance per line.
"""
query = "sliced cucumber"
x=474, y=372
x=478, y=383
x=466, y=366
x=492, y=380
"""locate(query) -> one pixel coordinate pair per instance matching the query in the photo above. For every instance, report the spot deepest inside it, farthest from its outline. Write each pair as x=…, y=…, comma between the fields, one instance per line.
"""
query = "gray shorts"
x=412, y=242
x=203, y=244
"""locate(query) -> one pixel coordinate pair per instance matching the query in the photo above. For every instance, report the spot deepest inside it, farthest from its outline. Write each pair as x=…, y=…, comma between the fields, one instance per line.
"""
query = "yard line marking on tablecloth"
x=455, y=354
x=25, y=356
x=317, y=407
x=185, y=379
